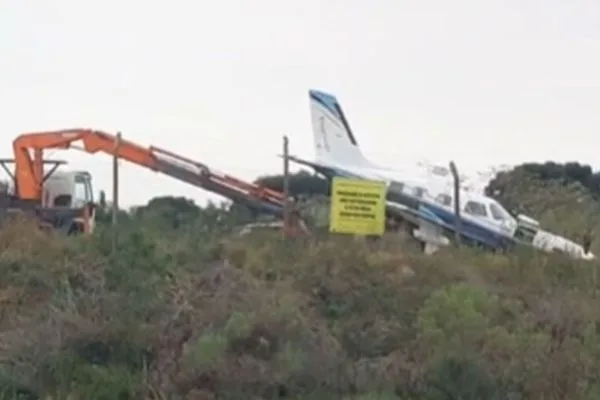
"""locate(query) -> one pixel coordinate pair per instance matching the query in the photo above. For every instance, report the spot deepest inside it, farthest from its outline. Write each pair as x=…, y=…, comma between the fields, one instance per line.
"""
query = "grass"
x=256, y=317
x=194, y=312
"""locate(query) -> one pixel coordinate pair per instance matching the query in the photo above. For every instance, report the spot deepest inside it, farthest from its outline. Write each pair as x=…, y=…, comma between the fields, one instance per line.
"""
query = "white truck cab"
x=68, y=190
x=73, y=190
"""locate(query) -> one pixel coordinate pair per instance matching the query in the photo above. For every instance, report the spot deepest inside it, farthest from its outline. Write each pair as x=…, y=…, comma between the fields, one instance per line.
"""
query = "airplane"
x=421, y=198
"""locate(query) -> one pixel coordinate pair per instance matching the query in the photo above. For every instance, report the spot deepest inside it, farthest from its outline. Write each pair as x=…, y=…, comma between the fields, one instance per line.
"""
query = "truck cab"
x=71, y=190
x=67, y=201
x=68, y=189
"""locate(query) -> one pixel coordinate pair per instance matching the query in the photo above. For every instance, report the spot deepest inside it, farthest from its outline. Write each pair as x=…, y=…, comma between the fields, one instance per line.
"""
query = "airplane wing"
x=329, y=172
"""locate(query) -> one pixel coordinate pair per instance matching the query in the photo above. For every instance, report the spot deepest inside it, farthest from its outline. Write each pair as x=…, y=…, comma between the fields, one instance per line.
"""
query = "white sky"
x=483, y=82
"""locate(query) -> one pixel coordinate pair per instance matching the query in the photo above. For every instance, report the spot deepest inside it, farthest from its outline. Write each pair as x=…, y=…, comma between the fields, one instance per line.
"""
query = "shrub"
x=164, y=311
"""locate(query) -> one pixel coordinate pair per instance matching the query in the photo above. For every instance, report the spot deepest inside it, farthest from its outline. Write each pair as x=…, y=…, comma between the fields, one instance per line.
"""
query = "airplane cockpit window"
x=498, y=213
x=476, y=209
x=444, y=199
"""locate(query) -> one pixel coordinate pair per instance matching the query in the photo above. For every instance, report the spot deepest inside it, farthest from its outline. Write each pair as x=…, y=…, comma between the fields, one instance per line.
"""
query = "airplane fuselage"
x=420, y=194
x=424, y=200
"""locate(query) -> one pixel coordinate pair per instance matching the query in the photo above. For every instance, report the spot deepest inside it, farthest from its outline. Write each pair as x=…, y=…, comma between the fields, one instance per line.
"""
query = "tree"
x=169, y=211
x=301, y=183
x=566, y=174
x=104, y=211
x=563, y=197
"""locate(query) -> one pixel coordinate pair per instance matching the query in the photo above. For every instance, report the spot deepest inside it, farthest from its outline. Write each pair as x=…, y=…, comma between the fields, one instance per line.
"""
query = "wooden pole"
x=115, y=189
x=286, y=186
x=457, y=219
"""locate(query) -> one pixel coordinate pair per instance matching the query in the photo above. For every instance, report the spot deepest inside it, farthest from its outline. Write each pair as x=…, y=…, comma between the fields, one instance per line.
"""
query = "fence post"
x=457, y=219
x=115, y=189
x=286, y=187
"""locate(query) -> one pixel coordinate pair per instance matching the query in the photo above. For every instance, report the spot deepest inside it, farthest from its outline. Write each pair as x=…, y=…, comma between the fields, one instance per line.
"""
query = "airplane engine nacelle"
x=527, y=221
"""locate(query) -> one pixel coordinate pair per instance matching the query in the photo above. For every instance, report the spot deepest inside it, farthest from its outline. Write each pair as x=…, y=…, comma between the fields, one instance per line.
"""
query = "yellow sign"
x=357, y=207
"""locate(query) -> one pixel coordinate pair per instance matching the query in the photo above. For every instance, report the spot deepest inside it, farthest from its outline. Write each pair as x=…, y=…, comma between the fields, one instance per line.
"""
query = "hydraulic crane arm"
x=29, y=174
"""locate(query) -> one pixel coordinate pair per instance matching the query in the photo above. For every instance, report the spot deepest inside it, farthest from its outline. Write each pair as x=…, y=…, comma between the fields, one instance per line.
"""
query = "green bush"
x=190, y=310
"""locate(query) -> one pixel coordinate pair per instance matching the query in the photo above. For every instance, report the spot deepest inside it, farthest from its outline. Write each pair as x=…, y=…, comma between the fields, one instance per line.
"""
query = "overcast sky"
x=483, y=82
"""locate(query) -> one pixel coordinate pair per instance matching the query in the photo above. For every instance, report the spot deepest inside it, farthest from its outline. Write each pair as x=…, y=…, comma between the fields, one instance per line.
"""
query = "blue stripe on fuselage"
x=470, y=229
x=434, y=213
x=429, y=211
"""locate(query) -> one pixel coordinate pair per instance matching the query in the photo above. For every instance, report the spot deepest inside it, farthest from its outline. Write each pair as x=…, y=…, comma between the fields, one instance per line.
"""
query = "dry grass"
x=255, y=317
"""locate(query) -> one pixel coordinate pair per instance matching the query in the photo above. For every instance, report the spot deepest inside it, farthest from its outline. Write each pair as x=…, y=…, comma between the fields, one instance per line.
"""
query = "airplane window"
x=396, y=187
x=444, y=199
x=497, y=212
x=419, y=192
x=500, y=208
x=476, y=209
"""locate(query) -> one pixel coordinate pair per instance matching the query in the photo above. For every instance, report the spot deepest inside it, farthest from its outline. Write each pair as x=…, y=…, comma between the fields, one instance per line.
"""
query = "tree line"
x=177, y=211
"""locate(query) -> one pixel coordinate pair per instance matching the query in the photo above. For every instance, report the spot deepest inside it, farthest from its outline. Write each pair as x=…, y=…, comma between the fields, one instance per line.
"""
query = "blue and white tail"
x=333, y=138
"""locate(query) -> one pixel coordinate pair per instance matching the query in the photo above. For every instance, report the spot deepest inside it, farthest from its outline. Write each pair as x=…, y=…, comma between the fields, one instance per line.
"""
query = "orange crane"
x=29, y=175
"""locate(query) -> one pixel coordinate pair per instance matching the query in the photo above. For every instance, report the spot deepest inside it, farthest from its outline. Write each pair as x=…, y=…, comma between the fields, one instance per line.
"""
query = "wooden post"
x=286, y=187
x=115, y=189
x=457, y=220
x=86, y=218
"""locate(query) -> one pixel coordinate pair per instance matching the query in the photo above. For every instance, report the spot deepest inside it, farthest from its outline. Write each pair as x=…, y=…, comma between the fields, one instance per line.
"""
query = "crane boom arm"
x=29, y=174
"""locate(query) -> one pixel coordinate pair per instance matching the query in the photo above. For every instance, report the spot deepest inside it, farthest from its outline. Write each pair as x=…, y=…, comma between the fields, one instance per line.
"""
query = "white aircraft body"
x=420, y=196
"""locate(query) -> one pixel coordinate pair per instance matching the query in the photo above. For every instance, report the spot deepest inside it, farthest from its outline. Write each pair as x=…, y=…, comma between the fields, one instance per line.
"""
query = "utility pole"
x=286, y=187
x=457, y=220
x=115, y=189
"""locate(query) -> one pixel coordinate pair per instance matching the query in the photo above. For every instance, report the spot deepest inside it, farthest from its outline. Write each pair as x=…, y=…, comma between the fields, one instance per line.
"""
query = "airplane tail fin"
x=333, y=138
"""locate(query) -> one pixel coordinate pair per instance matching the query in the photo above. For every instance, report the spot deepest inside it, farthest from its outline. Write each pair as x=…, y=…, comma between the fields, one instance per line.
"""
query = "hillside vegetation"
x=564, y=197
x=183, y=308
